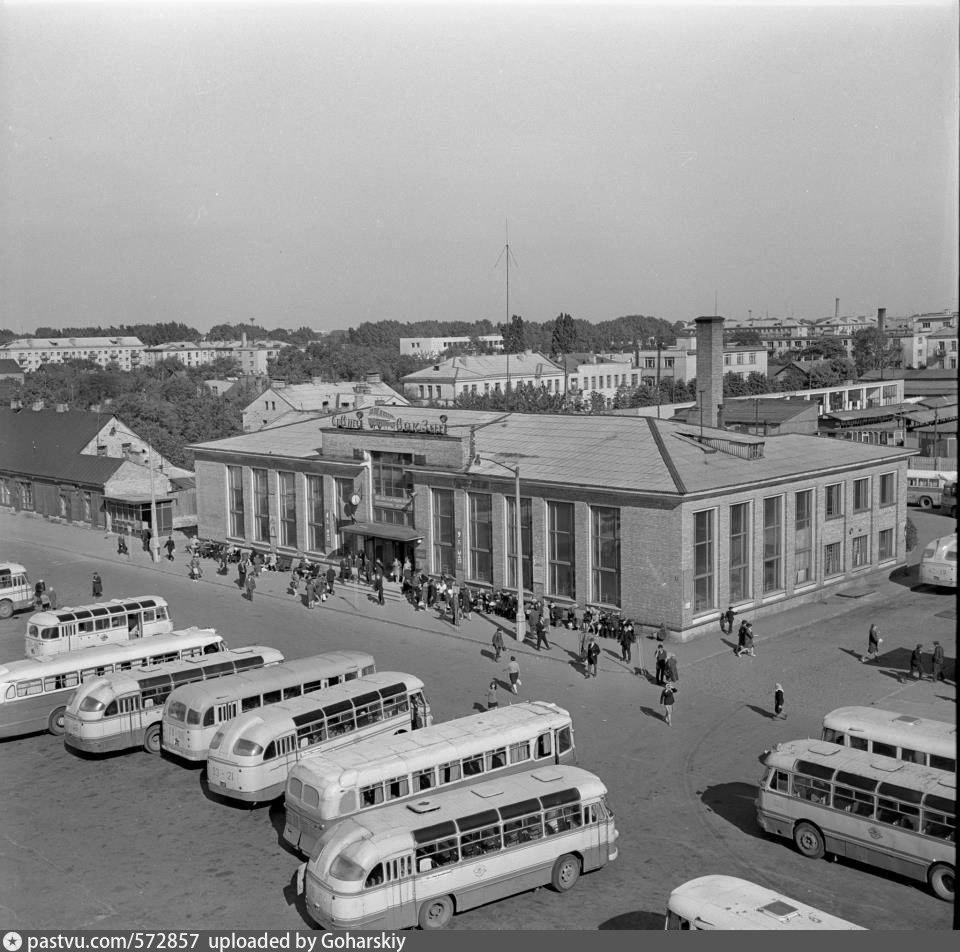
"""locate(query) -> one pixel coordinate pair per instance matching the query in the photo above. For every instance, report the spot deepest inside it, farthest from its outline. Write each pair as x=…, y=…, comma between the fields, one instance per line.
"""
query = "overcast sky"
x=321, y=165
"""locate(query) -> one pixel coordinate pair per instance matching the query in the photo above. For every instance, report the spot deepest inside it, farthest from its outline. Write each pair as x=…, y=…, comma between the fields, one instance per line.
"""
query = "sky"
x=324, y=165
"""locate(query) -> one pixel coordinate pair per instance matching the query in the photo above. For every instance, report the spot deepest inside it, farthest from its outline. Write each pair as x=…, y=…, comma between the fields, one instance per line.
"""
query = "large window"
x=315, y=512
x=561, y=549
x=288, y=509
x=389, y=474
x=444, y=555
x=740, y=552
x=481, y=537
x=605, y=536
x=834, y=497
x=526, y=540
x=703, y=597
x=261, y=506
x=803, y=537
x=860, y=551
x=833, y=559
x=773, y=544
x=885, y=545
x=235, y=501
x=888, y=489
x=861, y=494
x=5, y=499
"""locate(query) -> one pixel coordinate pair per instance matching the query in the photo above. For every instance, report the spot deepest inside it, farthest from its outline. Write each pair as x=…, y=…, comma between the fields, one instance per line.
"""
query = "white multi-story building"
x=31, y=353
x=436, y=346
x=252, y=357
x=926, y=340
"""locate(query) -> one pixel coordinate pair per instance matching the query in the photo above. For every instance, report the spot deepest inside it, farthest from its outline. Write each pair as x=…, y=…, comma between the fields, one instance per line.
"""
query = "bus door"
x=128, y=714
x=398, y=878
x=595, y=823
x=134, y=625
x=68, y=630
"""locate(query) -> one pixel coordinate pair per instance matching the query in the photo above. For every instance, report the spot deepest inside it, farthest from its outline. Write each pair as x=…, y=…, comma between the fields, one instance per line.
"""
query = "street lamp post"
x=154, y=541
x=518, y=543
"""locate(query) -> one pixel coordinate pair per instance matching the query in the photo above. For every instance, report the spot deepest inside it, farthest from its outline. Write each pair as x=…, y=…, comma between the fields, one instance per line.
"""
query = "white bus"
x=124, y=709
x=250, y=757
x=120, y=619
x=16, y=592
x=726, y=903
x=925, y=487
x=916, y=740
x=326, y=787
x=938, y=562
x=873, y=810
x=34, y=692
x=192, y=714
x=419, y=862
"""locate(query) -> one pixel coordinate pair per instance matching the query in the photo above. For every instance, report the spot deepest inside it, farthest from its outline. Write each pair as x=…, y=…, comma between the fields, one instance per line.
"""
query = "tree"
x=910, y=535
x=564, y=338
x=823, y=348
x=744, y=337
x=872, y=350
x=514, y=336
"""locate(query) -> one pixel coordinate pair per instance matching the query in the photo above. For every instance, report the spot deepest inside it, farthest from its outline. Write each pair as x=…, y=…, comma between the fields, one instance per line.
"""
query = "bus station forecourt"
x=136, y=841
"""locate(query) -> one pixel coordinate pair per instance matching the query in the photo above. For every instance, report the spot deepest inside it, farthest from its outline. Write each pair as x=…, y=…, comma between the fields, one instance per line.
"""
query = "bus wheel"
x=809, y=840
x=6, y=609
x=151, y=739
x=566, y=872
x=941, y=881
x=58, y=723
x=926, y=502
x=436, y=913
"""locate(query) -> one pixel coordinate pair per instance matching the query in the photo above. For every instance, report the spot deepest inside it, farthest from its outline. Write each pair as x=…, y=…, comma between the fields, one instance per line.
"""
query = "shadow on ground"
x=634, y=920
x=736, y=803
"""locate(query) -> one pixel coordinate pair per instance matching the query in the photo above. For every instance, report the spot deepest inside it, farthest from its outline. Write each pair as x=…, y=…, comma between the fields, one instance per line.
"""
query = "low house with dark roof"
x=85, y=467
x=11, y=370
x=763, y=416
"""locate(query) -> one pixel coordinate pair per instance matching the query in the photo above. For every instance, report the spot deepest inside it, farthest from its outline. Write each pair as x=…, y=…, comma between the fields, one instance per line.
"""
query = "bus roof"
x=132, y=649
x=429, y=745
x=115, y=606
x=265, y=721
x=393, y=827
x=726, y=902
x=276, y=677
x=939, y=737
x=125, y=682
x=943, y=475
x=865, y=764
x=14, y=568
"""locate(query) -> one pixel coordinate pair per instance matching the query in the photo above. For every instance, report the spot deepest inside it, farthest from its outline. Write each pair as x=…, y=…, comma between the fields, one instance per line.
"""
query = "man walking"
x=97, y=585
x=593, y=656
x=661, y=659
x=667, y=697
x=937, y=659
x=873, y=645
x=378, y=586
x=498, y=646
x=916, y=663
x=778, y=701
x=513, y=671
x=542, y=633
x=251, y=585
x=727, y=617
x=170, y=546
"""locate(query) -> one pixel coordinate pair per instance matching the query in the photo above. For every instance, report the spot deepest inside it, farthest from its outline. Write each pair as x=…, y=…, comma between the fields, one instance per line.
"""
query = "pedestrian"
x=242, y=573
x=727, y=617
x=937, y=657
x=466, y=601
x=170, y=546
x=873, y=644
x=54, y=603
x=673, y=672
x=498, y=646
x=251, y=585
x=584, y=640
x=513, y=670
x=667, y=697
x=492, y=701
x=453, y=596
x=778, y=702
x=38, y=589
x=542, y=633
x=916, y=662
x=122, y=546
x=45, y=600
x=593, y=656
x=661, y=660
x=378, y=586
x=395, y=570
x=97, y=585
x=195, y=571
x=745, y=640
x=331, y=577
x=626, y=642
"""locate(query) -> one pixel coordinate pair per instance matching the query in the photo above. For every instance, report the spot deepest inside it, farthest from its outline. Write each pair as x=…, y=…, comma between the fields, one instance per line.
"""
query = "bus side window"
x=779, y=781
x=943, y=763
x=859, y=743
x=423, y=780
x=207, y=649
x=375, y=878
x=912, y=756
x=885, y=750
x=564, y=740
x=544, y=746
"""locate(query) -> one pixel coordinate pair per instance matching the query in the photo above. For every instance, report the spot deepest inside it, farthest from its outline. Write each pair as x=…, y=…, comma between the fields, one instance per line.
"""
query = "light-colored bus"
x=917, y=740
x=124, y=709
x=34, y=692
x=193, y=714
x=419, y=862
x=874, y=810
x=120, y=619
x=727, y=903
x=948, y=500
x=16, y=592
x=323, y=788
x=925, y=487
x=938, y=562
x=251, y=756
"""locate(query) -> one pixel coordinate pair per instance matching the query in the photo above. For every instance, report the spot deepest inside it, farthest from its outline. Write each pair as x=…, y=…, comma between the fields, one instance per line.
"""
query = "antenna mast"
x=506, y=253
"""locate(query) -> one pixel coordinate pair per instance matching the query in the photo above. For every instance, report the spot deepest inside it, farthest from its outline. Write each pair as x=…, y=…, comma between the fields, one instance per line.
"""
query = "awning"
x=380, y=530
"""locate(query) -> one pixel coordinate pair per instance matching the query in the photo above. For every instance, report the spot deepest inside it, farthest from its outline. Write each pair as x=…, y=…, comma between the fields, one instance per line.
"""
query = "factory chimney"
x=836, y=308
x=709, y=368
x=881, y=318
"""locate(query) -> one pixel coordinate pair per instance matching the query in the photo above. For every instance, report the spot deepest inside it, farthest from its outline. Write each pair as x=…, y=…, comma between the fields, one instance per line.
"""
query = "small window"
x=424, y=780
x=834, y=501
x=861, y=494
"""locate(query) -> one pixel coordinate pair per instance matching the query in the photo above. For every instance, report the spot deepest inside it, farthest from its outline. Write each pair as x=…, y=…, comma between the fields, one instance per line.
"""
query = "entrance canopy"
x=380, y=530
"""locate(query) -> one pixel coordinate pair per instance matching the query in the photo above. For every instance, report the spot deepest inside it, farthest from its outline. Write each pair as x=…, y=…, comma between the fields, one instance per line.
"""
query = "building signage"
x=379, y=419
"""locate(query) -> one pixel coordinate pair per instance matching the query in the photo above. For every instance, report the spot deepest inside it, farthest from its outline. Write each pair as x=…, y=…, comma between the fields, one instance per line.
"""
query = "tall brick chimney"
x=836, y=308
x=881, y=318
x=709, y=367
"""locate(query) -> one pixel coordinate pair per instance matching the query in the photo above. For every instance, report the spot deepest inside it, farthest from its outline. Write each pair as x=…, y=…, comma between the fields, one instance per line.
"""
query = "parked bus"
x=916, y=740
x=250, y=757
x=326, y=787
x=34, y=692
x=124, y=709
x=852, y=803
x=728, y=903
x=925, y=487
x=948, y=501
x=16, y=592
x=938, y=562
x=192, y=714
x=417, y=863
x=121, y=619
